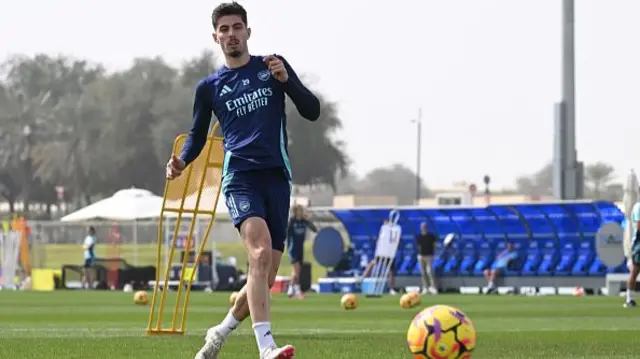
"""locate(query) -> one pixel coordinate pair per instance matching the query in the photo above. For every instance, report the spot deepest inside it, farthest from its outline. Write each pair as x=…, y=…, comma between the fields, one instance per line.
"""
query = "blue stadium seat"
x=567, y=258
x=499, y=247
x=451, y=266
x=415, y=271
x=532, y=259
x=597, y=268
x=406, y=260
x=622, y=268
x=439, y=259
x=515, y=266
x=584, y=258
x=485, y=257
x=551, y=239
x=452, y=260
x=358, y=244
x=549, y=259
x=369, y=249
x=468, y=259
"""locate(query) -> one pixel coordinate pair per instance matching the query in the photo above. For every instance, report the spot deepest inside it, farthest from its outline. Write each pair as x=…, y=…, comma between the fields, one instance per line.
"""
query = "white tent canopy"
x=125, y=205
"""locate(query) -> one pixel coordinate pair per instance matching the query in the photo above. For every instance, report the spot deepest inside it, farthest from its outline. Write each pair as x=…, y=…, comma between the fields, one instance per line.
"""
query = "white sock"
x=298, y=290
x=228, y=325
x=291, y=289
x=491, y=284
x=629, y=295
x=264, y=338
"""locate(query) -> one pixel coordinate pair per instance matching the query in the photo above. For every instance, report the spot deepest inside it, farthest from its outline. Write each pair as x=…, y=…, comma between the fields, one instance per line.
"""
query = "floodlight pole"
x=418, y=155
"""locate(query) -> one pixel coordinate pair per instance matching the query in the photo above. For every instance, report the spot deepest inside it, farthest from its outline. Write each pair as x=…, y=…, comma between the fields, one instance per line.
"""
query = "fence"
x=53, y=243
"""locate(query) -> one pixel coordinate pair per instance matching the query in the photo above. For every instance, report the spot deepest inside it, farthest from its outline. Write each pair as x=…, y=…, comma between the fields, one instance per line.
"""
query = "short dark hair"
x=92, y=229
x=228, y=8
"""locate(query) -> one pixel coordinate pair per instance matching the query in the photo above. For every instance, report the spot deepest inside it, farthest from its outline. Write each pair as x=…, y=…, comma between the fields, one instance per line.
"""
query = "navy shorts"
x=261, y=193
x=296, y=256
x=635, y=252
x=88, y=262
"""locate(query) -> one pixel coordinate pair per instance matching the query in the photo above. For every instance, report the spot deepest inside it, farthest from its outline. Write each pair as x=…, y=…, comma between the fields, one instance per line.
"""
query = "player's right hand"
x=175, y=166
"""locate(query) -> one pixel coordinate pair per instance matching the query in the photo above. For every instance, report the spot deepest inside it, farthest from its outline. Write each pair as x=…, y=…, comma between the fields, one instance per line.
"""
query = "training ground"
x=105, y=325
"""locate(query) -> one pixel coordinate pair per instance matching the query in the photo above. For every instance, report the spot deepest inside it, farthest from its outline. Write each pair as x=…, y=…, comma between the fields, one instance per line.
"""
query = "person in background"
x=88, y=246
x=499, y=265
x=296, y=234
x=426, y=244
x=633, y=262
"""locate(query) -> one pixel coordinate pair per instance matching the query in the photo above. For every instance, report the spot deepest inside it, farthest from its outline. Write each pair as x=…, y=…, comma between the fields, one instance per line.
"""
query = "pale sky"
x=486, y=73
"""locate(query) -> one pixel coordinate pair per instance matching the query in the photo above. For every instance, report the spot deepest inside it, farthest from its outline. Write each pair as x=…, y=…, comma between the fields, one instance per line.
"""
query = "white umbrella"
x=125, y=205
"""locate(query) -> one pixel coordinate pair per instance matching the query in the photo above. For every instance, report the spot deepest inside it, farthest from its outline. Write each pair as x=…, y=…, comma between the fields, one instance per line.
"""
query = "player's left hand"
x=277, y=69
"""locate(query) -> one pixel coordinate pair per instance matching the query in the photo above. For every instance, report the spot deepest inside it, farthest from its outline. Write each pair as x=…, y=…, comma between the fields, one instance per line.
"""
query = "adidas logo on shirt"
x=225, y=90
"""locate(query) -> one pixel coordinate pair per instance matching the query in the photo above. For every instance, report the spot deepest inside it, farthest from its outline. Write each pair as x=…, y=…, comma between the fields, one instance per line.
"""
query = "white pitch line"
x=51, y=332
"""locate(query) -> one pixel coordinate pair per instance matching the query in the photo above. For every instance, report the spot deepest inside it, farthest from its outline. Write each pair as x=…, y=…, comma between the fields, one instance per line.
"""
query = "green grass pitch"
x=81, y=324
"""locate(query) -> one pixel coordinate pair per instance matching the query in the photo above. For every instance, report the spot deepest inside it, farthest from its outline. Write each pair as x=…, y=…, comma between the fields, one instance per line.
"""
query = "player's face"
x=297, y=212
x=423, y=228
x=232, y=35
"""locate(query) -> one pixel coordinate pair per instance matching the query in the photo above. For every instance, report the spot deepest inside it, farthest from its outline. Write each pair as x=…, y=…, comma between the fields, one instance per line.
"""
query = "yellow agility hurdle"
x=195, y=193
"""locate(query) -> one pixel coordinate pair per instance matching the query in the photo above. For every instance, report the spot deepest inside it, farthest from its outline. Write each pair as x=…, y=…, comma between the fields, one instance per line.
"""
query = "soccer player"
x=88, y=247
x=247, y=95
x=296, y=234
x=634, y=256
x=499, y=265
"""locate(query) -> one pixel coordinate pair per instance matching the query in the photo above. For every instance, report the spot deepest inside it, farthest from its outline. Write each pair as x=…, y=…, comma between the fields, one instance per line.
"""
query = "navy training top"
x=249, y=104
x=297, y=231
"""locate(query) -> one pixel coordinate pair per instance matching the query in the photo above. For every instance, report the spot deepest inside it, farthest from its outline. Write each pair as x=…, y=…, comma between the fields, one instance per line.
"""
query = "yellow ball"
x=140, y=297
x=405, y=301
x=232, y=298
x=410, y=300
x=349, y=301
x=441, y=332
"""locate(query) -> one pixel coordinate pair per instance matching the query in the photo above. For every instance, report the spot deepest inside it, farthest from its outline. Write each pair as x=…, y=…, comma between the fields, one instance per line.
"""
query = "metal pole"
x=418, y=156
x=572, y=173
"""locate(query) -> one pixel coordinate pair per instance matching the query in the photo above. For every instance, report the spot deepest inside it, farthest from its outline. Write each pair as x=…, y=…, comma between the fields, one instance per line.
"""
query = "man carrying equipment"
x=247, y=95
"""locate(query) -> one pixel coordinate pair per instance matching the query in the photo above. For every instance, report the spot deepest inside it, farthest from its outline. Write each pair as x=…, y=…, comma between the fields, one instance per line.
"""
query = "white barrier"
x=9, y=259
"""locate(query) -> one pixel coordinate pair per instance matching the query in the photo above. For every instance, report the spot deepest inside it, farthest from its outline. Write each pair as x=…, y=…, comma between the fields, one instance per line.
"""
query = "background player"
x=247, y=95
x=634, y=258
x=88, y=248
x=296, y=234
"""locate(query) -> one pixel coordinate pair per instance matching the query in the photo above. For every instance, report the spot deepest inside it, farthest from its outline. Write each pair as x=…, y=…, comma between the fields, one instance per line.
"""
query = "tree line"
x=400, y=181
x=598, y=180
x=69, y=123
